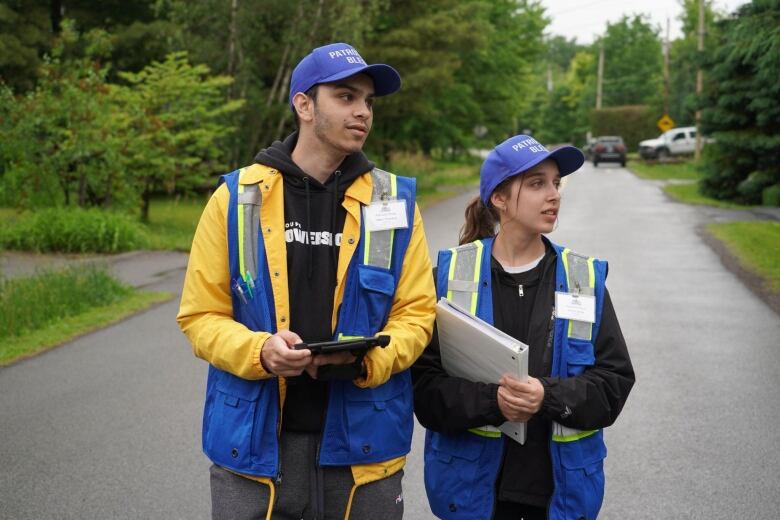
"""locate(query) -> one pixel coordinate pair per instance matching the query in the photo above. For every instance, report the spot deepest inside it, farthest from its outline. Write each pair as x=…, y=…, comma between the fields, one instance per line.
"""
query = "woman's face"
x=531, y=204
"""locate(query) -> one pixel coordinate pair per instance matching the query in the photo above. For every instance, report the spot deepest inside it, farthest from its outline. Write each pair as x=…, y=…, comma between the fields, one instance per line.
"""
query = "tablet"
x=356, y=344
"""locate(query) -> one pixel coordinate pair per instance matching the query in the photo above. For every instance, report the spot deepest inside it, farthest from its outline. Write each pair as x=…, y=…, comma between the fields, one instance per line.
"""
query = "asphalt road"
x=108, y=426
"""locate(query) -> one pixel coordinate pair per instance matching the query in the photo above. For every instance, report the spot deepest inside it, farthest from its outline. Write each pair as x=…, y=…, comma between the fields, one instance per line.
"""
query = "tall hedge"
x=633, y=123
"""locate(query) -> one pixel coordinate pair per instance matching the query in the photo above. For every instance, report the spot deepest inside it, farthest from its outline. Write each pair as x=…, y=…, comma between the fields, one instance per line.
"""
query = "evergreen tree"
x=740, y=106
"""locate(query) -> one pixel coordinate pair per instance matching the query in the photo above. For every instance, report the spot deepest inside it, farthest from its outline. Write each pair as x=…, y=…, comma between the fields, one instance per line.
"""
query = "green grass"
x=756, y=245
x=657, y=171
x=436, y=178
x=689, y=194
x=43, y=310
x=172, y=222
x=66, y=329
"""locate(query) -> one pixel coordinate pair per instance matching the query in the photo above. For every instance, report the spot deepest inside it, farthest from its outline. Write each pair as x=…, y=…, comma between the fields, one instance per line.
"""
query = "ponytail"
x=480, y=222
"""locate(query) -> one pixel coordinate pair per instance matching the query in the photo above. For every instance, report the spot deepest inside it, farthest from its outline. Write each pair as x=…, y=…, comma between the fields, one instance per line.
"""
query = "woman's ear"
x=498, y=201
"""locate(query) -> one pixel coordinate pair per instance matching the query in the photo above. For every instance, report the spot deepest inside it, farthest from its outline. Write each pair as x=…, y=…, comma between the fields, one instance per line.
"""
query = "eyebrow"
x=351, y=88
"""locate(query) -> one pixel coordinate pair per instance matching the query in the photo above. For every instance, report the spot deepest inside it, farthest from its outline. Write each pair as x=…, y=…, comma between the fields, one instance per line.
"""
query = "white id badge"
x=578, y=307
x=385, y=214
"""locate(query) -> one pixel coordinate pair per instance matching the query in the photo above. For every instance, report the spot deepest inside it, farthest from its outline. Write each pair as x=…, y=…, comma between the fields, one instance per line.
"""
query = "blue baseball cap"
x=517, y=155
x=338, y=61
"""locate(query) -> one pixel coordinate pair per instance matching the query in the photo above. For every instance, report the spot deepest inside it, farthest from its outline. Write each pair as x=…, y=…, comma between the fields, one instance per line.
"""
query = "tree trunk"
x=145, y=199
x=55, y=13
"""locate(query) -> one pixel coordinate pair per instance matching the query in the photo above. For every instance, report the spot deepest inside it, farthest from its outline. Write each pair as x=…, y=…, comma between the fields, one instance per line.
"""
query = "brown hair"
x=481, y=218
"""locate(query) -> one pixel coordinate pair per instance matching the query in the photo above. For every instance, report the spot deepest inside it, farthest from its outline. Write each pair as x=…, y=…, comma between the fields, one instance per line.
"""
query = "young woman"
x=579, y=370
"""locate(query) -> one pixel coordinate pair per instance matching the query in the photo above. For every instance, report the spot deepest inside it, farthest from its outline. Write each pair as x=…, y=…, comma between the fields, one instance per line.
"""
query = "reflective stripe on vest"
x=581, y=279
x=378, y=248
x=463, y=278
x=248, y=216
x=462, y=289
x=379, y=244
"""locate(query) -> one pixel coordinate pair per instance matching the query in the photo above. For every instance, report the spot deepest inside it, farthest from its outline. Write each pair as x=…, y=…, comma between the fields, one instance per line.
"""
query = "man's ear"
x=304, y=106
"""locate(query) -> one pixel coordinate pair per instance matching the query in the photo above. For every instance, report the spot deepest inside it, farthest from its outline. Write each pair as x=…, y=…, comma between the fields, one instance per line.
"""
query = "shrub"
x=72, y=230
x=29, y=303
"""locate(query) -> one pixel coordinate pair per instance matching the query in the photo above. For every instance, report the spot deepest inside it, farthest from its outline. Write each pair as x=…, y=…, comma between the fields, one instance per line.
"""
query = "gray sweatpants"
x=306, y=491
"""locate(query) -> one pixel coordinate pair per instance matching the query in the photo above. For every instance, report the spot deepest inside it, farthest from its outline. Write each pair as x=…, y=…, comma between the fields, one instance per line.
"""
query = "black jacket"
x=589, y=401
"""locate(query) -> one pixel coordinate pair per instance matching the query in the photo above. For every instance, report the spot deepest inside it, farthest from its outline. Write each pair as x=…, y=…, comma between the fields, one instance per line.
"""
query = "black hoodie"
x=313, y=221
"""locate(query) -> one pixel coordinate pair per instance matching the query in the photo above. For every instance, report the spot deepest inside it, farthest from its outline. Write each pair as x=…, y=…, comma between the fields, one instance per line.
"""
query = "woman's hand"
x=519, y=401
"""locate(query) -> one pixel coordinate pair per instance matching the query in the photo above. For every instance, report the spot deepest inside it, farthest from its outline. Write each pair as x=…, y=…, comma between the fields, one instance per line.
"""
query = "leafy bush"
x=72, y=231
x=29, y=303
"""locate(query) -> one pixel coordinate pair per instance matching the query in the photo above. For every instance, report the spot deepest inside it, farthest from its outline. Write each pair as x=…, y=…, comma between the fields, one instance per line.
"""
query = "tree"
x=25, y=35
x=175, y=125
x=739, y=105
x=632, y=62
x=58, y=143
x=684, y=59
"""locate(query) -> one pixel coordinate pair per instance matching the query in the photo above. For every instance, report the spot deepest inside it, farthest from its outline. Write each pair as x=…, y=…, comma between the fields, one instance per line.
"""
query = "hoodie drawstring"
x=308, y=227
x=333, y=229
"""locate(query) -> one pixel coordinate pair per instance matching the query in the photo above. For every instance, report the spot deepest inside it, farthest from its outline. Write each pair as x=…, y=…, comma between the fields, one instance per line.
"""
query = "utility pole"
x=699, y=81
x=666, y=69
x=600, y=77
x=549, y=78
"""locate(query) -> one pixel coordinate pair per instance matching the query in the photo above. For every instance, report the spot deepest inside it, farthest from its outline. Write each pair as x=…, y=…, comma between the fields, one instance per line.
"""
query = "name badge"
x=578, y=307
x=385, y=214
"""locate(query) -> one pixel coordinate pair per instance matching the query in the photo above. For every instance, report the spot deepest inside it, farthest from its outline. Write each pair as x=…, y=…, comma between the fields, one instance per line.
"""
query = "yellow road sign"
x=665, y=123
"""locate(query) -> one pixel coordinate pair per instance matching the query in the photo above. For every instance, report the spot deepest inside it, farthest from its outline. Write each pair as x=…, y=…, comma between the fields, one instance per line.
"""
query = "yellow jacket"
x=206, y=311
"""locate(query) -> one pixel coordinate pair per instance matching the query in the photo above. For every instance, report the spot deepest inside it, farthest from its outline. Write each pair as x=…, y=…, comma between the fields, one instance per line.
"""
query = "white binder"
x=475, y=350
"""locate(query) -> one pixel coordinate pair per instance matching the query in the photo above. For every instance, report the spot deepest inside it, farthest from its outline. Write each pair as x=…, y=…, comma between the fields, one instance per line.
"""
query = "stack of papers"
x=475, y=350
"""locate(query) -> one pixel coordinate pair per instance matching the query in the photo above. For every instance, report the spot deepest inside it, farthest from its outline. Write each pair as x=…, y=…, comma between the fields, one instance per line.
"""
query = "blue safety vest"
x=241, y=417
x=461, y=470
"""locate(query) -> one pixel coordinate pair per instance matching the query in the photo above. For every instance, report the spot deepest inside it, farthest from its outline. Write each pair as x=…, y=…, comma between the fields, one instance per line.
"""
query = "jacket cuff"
x=552, y=408
x=257, y=362
x=493, y=415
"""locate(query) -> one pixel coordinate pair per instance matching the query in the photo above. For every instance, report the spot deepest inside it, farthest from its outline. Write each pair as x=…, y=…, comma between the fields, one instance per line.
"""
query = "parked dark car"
x=608, y=149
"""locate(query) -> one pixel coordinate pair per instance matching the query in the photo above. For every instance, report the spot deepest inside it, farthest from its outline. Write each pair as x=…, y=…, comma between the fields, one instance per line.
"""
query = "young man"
x=311, y=243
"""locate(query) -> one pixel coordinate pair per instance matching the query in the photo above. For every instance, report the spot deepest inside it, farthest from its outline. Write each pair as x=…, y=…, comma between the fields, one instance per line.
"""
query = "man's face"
x=343, y=113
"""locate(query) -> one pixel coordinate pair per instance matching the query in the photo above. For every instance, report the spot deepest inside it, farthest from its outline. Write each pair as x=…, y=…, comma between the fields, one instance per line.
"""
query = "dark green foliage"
x=740, y=107
x=633, y=65
x=632, y=123
x=72, y=231
x=25, y=34
x=27, y=304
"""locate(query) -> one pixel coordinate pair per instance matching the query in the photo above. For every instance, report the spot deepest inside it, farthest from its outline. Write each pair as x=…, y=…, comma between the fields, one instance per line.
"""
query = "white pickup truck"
x=677, y=141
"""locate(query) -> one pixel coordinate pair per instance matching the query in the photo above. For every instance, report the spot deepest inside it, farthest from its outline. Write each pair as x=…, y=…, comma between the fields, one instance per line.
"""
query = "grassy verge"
x=436, y=179
x=657, y=171
x=172, y=222
x=66, y=329
x=688, y=192
x=756, y=245
x=49, y=308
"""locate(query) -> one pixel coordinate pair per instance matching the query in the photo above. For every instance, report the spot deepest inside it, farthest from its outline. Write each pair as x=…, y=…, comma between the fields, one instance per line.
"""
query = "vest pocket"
x=582, y=471
x=237, y=416
x=374, y=299
x=380, y=419
x=579, y=355
x=250, y=305
x=454, y=480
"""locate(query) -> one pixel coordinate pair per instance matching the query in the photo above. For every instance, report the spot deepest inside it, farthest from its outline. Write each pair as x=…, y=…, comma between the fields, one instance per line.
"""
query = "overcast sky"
x=587, y=19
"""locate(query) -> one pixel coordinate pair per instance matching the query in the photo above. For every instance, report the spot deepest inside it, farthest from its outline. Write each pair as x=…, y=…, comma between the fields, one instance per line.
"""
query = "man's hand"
x=337, y=358
x=280, y=359
x=519, y=401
